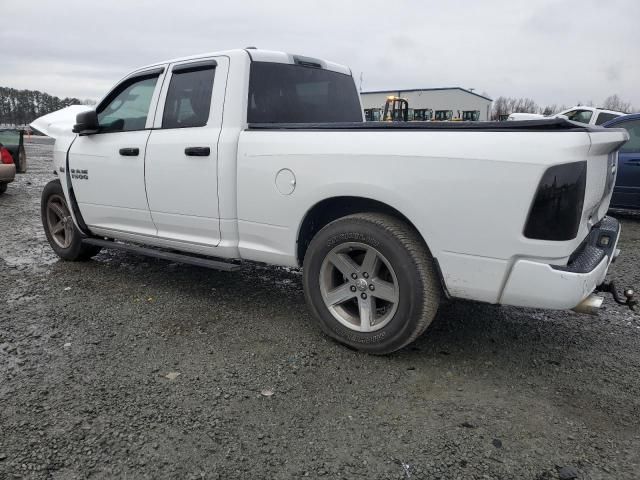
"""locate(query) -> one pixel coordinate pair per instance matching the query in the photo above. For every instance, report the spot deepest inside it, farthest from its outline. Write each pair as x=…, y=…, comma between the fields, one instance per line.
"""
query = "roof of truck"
x=260, y=55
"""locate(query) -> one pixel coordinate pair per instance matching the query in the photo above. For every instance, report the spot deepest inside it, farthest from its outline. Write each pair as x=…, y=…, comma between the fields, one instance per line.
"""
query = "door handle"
x=129, y=152
x=197, y=151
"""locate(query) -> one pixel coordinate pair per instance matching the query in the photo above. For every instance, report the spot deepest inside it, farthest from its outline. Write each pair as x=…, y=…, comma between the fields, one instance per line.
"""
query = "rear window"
x=633, y=145
x=284, y=93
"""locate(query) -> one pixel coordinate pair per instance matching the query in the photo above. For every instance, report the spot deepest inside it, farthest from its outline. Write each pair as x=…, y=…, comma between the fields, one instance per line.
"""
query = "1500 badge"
x=79, y=174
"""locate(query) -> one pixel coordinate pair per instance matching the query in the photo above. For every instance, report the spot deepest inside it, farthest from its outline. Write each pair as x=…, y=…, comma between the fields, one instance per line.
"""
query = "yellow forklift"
x=396, y=109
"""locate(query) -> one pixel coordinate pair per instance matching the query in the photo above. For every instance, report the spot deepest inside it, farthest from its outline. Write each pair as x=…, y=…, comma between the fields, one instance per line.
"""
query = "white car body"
x=579, y=113
x=467, y=193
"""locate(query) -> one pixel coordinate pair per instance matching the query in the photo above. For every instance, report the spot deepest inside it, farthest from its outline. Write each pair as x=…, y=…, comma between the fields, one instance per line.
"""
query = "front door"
x=107, y=168
x=182, y=152
x=627, y=190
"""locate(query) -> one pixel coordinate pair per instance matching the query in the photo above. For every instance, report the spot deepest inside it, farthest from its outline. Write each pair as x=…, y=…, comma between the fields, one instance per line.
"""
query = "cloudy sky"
x=550, y=50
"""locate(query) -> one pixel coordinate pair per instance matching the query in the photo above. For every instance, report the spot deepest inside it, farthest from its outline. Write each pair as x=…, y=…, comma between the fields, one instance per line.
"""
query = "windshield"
x=582, y=116
x=284, y=93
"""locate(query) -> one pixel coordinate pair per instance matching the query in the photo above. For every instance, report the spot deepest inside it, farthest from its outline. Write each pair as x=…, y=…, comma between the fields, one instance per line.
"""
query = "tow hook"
x=629, y=301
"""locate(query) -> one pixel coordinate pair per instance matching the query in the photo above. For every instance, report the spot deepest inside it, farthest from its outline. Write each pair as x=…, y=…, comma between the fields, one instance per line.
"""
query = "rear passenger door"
x=182, y=158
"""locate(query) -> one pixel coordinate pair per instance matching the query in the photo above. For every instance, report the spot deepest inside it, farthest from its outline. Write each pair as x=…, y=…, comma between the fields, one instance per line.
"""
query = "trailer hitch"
x=628, y=293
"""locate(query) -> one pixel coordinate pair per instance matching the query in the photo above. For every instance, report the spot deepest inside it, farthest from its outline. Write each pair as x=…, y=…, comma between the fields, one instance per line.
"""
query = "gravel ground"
x=129, y=367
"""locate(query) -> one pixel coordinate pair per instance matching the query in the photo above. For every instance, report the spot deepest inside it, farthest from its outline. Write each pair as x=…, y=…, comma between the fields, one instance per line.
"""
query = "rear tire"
x=3, y=188
x=370, y=282
x=63, y=235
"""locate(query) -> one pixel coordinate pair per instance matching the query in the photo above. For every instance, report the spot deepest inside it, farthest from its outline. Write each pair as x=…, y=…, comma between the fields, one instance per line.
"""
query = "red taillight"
x=5, y=156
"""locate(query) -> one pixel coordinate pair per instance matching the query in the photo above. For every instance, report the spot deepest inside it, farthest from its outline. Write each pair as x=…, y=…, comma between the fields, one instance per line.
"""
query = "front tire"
x=63, y=235
x=370, y=282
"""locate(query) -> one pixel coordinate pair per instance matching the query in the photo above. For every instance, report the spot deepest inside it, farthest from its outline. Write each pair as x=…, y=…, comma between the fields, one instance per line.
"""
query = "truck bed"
x=552, y=124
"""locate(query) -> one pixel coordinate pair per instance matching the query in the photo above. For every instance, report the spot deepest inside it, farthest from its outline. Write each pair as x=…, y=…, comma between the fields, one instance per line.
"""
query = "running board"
x=173, y=257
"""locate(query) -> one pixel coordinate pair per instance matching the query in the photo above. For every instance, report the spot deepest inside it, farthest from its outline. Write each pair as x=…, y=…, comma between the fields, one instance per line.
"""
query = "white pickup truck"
x=264, y=156
x=580, y=114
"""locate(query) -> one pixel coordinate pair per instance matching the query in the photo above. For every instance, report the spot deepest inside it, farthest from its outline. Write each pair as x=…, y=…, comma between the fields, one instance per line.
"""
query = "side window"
x=605, y=117
x=633, y=127
x=127, y=107
x=189, y=96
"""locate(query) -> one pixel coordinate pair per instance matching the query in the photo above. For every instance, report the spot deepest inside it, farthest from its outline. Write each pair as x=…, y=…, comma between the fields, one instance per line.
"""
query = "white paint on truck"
x=468, y=193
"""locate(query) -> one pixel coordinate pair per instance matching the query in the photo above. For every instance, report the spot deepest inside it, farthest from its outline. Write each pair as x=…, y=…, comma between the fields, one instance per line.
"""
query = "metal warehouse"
x=453, y=103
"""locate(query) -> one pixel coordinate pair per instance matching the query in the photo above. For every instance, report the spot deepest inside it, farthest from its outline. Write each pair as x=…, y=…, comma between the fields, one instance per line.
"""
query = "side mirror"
x=86, y=123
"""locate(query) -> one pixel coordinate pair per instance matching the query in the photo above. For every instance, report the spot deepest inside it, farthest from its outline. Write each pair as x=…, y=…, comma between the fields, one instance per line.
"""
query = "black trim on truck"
x=557, y=207
x=194, y=66
x=543, y=125
x=82, y=226
x=600, y=243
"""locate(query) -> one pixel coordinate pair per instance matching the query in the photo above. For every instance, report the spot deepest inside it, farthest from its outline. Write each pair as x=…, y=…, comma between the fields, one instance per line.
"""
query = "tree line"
x=20, y=107
x=504, y=106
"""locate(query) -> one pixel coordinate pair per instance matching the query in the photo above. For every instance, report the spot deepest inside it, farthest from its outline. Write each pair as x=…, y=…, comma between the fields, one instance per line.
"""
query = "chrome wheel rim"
x=59, y=221
x=359, y=287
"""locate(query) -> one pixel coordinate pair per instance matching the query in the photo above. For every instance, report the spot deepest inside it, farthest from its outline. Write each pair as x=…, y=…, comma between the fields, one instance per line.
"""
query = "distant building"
x=431, y=103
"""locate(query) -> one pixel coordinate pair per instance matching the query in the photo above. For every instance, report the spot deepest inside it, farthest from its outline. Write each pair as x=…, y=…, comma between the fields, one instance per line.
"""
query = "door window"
x=633, y=127
x=127, y=107
x=189, y=96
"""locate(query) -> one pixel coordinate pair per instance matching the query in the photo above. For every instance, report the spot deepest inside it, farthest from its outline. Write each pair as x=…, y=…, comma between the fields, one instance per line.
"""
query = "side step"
x=173, y=257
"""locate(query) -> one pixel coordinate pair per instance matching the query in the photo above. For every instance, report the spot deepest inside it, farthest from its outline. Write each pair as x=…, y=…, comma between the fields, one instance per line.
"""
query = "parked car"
x=626, y=193
x=386, y=218
x=580, y=114
x=7, y=169
x=13, y=141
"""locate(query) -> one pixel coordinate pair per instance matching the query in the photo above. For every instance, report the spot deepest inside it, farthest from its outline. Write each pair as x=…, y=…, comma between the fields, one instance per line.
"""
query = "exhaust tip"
x=590, y=305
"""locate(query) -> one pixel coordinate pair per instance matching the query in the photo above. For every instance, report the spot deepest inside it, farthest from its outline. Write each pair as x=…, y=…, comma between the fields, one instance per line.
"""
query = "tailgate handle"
x=129, y=152
x=635, y=163
x=197, y=151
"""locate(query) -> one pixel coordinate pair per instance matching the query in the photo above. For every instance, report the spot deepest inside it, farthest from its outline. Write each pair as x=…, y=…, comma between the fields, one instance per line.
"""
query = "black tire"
x=418, y=287
x=21, y=165
x=3, y=188
x=75, y=250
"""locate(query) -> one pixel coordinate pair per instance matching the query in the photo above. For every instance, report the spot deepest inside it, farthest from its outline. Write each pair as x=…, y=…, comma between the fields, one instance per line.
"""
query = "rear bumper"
x=7, y=172
x=536, y=284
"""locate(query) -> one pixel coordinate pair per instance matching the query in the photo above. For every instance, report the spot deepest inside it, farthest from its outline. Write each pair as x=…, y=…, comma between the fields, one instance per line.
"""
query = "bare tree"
x=499, y=108
x=506, y=105
x=549, y=110
x=552, y=109
x=614, y=102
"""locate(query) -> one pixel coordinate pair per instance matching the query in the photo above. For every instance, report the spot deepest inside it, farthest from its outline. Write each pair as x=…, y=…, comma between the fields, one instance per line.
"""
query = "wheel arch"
x=330, y=209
